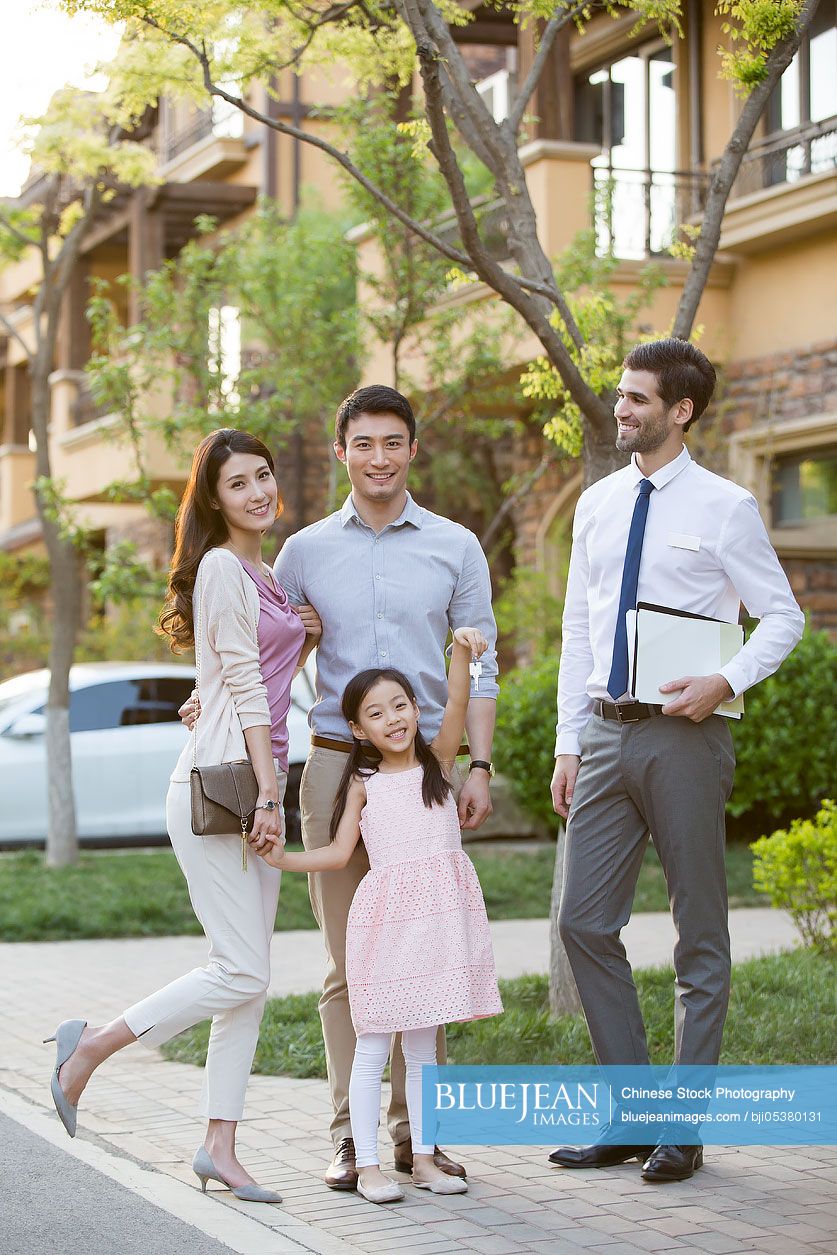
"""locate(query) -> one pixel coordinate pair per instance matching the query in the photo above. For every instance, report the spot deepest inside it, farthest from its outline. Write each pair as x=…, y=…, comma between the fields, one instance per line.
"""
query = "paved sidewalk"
x=140, y=1109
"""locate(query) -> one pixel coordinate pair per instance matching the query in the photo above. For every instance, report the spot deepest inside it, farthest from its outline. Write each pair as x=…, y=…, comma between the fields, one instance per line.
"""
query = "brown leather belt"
x=625, y=712
x=344, y=747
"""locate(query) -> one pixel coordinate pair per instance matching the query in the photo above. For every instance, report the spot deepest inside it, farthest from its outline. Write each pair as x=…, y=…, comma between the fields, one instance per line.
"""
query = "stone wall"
x=781, y=386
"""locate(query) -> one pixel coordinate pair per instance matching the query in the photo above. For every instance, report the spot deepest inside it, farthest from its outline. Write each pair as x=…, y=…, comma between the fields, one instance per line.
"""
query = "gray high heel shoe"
x=67, y=1037
x=205, y=1169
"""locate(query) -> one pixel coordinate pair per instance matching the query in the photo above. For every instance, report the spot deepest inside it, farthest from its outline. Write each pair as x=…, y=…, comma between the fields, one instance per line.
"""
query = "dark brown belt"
x=344, y=747
x=625, y=712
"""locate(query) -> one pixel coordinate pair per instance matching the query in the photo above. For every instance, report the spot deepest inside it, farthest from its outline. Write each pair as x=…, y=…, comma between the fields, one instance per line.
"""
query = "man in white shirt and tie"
x=662, y=530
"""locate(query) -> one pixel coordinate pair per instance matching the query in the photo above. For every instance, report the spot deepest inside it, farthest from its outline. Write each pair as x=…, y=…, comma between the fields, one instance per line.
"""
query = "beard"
x=646, y=438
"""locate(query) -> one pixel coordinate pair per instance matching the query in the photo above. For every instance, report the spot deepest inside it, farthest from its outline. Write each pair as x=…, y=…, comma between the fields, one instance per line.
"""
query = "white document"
x=664, y=645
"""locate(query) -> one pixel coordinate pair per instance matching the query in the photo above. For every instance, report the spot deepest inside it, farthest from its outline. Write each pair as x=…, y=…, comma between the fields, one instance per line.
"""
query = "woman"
x=248, y=643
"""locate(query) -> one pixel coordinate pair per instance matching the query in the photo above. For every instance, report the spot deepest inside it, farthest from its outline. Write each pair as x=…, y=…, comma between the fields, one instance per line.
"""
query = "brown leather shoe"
x=341, y=1173
x=404, y=1160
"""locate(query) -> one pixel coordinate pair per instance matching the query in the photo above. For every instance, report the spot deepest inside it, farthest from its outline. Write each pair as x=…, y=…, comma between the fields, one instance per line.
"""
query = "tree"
x=285, y=292
x=452, y=357
x=174, y=45
x=79, y=163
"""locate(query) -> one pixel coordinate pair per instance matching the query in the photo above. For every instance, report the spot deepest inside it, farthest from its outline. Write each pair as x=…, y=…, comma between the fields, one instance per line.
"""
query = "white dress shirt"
x=705, y=550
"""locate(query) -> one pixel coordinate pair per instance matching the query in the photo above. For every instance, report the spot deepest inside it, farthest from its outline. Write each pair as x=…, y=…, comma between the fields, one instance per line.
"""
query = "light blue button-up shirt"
x=389, y=599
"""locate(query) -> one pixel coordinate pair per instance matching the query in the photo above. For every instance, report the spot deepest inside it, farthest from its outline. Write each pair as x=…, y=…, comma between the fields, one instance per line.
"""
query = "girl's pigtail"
x=435, y=786
x=362, y=760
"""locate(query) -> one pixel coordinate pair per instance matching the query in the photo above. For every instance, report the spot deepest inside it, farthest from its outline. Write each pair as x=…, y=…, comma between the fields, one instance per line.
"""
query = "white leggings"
x=371, y=1054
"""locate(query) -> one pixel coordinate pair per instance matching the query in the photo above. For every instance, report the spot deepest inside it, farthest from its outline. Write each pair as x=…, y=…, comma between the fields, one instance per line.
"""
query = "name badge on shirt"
x=682, y=540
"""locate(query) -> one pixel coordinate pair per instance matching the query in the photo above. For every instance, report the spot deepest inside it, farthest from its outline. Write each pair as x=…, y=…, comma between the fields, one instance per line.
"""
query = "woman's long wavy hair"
x=363, y=759
x=200, y=526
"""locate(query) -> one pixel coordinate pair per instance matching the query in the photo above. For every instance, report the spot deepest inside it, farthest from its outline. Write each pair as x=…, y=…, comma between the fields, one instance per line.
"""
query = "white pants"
x=371, y=1054
x=237, y=910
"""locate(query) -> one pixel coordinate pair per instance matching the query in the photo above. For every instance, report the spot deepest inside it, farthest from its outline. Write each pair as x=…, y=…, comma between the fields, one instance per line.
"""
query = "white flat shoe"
x=446, y=1185
x=66, y=1037
x=389, y=1193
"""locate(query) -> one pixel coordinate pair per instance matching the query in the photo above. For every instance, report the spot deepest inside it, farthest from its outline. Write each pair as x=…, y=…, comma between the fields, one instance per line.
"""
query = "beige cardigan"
x=232, y=694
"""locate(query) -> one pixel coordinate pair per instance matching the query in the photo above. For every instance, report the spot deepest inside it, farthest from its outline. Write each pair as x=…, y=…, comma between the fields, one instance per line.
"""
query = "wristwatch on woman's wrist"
x=480, y=762
x=269, y=805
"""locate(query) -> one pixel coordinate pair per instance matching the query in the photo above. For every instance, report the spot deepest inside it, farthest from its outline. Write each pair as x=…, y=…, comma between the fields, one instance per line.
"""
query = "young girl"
x=418, y=948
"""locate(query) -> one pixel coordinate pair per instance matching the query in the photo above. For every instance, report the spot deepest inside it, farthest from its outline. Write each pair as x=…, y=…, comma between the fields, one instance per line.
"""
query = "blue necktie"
x=618, y=682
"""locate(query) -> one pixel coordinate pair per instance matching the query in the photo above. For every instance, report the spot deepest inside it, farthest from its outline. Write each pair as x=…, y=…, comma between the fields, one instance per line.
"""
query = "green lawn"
x=142, y=893
x=783, y=1010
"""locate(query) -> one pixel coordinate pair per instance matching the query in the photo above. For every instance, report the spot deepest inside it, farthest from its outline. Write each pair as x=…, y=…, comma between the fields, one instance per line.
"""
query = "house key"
x=475, y=668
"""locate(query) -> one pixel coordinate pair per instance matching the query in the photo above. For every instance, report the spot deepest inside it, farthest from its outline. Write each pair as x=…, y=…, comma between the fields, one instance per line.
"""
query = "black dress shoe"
x=341, y=1173
x=601, y=1155
x=672, y=1163
x=404, y=1160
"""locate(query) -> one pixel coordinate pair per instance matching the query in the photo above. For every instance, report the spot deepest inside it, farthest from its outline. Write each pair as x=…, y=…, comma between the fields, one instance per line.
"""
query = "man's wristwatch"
x=480, y=762
x=270, y=805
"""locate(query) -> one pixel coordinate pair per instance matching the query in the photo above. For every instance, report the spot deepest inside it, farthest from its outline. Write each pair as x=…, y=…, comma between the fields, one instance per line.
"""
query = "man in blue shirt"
x=389, y=580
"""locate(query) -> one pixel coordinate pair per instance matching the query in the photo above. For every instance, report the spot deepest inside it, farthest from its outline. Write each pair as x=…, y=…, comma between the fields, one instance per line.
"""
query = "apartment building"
x=648, y=119
x=614, y=106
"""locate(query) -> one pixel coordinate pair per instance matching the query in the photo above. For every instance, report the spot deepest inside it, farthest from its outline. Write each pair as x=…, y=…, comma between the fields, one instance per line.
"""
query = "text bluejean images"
x=724, y=1105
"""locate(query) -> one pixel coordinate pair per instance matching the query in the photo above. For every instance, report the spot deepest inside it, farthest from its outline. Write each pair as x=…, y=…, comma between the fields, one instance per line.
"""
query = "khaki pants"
x=331, y=896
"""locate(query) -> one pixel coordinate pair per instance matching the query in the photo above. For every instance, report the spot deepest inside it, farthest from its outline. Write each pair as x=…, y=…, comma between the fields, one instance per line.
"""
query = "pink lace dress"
x=418, y=947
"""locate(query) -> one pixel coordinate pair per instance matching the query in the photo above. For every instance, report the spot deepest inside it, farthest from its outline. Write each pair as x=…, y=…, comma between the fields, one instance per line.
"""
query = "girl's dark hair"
x=200, y=526
x=363, y=759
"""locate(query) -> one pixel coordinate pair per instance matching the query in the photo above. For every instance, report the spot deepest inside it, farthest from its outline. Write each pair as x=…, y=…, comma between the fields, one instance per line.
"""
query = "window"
x=629, y=108
x=127, y=703
x=805, y=100
x=804, y=488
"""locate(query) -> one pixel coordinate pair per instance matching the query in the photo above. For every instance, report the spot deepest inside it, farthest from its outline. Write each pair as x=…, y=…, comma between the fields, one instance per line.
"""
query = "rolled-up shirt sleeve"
x=750, y=561
x=230, y=633
x=470, y=606
x=574, y=704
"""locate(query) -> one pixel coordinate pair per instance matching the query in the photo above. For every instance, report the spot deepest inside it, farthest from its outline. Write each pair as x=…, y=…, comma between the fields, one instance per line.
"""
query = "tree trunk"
x=66, y=586
x=66, y=589
x=563, y=995
x=600, y=456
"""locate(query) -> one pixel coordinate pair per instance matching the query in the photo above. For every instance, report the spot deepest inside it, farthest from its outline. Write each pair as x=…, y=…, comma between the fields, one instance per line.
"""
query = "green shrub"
x=797, y=867
x=785, y=742
x=525, y=738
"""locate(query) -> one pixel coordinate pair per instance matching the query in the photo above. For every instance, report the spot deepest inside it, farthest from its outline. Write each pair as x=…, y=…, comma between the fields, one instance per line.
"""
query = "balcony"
x=638, y=213
x=788, y=157
x=205, y=143
x=786, y=189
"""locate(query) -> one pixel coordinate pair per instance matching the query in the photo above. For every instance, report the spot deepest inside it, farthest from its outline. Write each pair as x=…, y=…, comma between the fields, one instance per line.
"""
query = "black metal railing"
x=787, y=157
x=219, y=119
x=639, y=213
x=182, y=137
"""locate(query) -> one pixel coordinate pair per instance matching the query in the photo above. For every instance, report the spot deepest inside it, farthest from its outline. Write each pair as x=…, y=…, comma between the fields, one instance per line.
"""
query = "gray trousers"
x=670, y=778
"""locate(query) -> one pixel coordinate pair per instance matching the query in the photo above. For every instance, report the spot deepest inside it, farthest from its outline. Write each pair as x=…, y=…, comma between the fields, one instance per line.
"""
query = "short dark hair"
x=682, y=370
x=376, y=399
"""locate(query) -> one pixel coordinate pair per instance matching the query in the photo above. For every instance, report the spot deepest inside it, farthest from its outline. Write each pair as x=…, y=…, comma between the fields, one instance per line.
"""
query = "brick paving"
x=745, y=1199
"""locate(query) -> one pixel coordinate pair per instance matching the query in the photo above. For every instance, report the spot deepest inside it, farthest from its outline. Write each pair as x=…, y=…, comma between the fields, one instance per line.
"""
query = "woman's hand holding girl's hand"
x=267, y=827
x=273, y=851
x=471, y=638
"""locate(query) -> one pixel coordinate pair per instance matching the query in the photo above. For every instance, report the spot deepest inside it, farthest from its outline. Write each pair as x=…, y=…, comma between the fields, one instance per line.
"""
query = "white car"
x=126, y=737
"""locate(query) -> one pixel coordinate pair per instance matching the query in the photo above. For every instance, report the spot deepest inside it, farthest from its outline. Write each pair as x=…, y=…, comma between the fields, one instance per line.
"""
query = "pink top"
x=281, y=635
